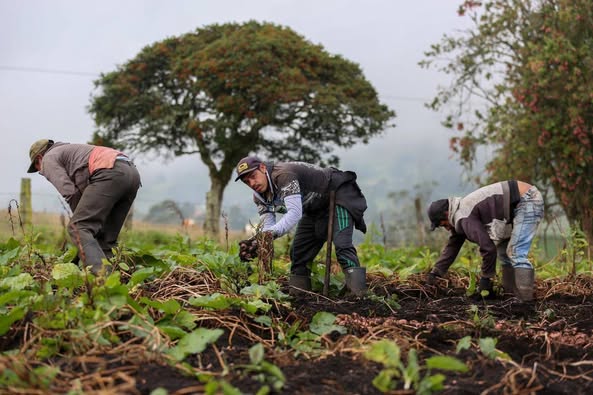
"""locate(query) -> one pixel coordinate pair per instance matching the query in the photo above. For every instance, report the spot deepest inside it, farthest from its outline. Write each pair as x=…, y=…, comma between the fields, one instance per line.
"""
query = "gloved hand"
x=248, y=249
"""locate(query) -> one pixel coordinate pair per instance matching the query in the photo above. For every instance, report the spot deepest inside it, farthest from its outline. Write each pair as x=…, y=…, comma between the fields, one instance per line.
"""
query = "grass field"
x=52, y=227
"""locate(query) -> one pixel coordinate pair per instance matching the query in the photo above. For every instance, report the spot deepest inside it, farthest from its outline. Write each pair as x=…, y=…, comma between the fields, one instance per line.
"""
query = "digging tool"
x=330, y=238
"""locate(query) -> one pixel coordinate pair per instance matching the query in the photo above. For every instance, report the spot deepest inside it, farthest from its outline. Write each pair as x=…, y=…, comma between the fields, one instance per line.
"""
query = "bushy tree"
x=528, y=66
x=225, y=91
x=169, y=212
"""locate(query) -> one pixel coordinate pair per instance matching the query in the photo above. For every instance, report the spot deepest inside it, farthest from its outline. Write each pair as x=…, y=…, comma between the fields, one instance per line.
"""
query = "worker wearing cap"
x=99, y=184
x=300, y=191
x=502, y=219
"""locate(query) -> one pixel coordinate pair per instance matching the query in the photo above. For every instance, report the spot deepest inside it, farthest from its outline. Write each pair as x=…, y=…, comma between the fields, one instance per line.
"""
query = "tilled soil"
x=548, y=342
x=545, y=346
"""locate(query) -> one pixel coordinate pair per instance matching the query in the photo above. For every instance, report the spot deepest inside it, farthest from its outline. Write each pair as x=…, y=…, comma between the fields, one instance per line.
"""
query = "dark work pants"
x=311, y=234
x=101, y=212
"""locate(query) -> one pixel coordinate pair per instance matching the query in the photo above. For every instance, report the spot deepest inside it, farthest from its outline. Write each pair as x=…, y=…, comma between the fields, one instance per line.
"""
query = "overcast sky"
x=51, y=51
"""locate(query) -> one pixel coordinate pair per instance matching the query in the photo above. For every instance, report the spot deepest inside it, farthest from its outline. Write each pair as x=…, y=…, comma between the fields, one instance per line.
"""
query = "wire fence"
x=390, y=229
x=54, y=203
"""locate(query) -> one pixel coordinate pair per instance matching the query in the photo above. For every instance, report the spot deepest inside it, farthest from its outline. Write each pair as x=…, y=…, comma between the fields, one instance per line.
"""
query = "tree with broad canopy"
x=225, y=91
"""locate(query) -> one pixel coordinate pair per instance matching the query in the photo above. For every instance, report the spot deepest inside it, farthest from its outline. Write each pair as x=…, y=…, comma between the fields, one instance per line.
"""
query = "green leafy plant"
x=487, y=347
x=218, y=387
x=20, y=376
x=575, y=250
x=194, y=342
x=482, y=319
x=388, y=353
x=390, y=301
x=265, y=372
x=309, y=341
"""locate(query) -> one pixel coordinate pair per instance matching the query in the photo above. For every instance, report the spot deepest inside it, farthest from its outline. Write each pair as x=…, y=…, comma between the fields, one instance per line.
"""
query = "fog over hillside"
x=415, y=152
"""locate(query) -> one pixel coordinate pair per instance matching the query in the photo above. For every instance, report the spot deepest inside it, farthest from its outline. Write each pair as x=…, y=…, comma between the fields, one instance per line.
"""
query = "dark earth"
x=549, y=342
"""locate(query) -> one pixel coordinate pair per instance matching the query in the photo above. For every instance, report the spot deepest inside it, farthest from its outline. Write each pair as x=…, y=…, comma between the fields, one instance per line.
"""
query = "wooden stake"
x=26, y=209
x=330, y=238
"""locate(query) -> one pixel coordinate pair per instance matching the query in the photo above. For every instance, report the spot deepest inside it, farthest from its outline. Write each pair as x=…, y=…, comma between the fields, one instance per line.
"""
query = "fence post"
x=25, y=205
x=419, y=221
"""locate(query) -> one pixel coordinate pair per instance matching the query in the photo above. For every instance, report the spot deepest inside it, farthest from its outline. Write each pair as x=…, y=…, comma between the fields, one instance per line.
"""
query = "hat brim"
x=32, y=168
x=245, y=172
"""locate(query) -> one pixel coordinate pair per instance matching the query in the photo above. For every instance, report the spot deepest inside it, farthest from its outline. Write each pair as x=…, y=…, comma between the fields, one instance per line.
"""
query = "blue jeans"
x=527, y=216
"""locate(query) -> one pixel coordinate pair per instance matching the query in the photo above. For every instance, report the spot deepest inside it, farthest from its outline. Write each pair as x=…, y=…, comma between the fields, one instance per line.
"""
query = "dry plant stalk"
x=181, y=284
x=265, y=255
x=225, y=217
x=18, y=212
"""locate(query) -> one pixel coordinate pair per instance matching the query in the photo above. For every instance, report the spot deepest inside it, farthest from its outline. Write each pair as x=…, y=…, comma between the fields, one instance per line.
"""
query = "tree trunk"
x=587, y=226
x=213, y=207
x=419, y=221
x=581, y=214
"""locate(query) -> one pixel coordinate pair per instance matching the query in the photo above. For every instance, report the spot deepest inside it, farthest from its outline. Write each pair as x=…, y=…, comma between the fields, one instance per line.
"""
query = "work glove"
x=248, y=249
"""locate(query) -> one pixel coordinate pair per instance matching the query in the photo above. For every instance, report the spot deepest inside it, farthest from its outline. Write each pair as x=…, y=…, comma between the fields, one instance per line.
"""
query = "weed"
x=481, y=319
x=388, y=353
x=487, y=347
x=265, y=372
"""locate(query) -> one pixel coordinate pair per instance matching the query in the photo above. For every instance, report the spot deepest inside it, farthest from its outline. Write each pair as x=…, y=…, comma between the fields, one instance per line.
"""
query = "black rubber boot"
x=485, y=284
x=508, y=279
x=431, y=279
x=93, y=256
x=524, y=281
x=298, y=283
x=356, y=280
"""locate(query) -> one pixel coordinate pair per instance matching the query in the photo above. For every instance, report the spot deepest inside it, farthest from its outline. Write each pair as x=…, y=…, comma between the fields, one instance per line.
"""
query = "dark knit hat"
x=438, y=212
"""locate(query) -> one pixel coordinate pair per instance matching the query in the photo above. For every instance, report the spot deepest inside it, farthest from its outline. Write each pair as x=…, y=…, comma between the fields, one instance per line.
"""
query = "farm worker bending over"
x=502, y=219
x=300, y=191
x=99, y=184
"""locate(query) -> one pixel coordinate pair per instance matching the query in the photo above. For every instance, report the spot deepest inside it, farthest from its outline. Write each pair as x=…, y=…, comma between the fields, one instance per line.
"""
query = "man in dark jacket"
x=99, y=184
x=300, y=191
x=502, y=219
